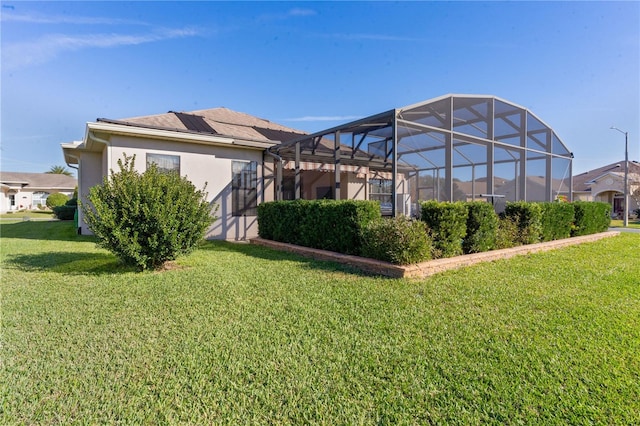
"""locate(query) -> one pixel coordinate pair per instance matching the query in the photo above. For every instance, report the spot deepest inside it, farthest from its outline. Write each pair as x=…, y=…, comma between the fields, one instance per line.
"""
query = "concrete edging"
x=430, y=267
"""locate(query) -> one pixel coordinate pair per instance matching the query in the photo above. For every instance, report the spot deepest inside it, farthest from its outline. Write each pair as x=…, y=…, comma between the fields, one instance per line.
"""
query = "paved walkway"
x=633, y=230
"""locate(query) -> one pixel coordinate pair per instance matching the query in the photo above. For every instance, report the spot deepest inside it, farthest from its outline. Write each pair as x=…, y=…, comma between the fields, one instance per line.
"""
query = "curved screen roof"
x=454, y=147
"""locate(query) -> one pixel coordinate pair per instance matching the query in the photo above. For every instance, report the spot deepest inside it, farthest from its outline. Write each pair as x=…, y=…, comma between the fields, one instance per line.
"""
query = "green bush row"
x=323, y=224
x=446, y=229
x=473, y=227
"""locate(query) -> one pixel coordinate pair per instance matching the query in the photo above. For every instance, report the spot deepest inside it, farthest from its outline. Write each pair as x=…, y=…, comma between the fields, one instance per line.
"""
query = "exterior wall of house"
x=207, y=167
x=353, y=187
x=582, y=196
x=94, y=167
x=269, y=178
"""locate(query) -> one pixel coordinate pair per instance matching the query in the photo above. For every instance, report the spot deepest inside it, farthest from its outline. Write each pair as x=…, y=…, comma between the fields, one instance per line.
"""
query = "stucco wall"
x=207, y=167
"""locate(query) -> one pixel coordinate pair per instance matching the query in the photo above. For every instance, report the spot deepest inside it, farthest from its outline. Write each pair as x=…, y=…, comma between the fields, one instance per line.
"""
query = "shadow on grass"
x=43, y=230
x=69, y=263
x=277, y=255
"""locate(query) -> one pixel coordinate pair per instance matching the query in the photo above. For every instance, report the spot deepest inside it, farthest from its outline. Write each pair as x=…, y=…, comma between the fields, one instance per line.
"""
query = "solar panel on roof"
x=277, y=135
x=195, y=123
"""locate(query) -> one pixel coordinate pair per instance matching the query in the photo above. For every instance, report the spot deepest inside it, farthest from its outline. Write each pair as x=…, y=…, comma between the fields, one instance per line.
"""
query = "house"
x=606, y=184
x=220, y=150
x=398, y=157
x=29, y=191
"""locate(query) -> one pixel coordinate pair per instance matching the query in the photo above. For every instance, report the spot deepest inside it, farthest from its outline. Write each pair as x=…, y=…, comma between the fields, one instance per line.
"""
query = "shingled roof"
x=38, y=180
x=581, y=182
x=214, y=121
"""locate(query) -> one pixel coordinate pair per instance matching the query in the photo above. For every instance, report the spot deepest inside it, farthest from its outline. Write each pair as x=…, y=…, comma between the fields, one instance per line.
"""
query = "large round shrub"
x=397, y=240
x=147, y=219
x=56, y=199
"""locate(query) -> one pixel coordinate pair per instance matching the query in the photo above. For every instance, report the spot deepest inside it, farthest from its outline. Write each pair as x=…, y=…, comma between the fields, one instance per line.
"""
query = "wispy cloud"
x=48, y=47
x=291, y=13
x=64, y=19
x=301, y=12
x=365, y=36
x=324, y=118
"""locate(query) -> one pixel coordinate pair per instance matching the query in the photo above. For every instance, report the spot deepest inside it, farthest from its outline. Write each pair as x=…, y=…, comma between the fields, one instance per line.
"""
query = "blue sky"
x=313, y=65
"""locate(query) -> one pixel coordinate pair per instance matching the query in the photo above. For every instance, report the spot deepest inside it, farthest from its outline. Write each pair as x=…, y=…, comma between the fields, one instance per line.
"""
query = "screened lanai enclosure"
x=452, y=148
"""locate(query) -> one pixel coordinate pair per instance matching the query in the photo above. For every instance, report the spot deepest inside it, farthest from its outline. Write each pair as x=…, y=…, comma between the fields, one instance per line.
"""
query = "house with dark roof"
x=499, y=150
x=28, y=191
x=606, y=184
x=217, y=149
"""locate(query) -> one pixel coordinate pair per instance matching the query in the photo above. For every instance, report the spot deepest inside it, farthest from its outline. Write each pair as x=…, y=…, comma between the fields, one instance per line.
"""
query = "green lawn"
x=29, y=214
x=238, y=334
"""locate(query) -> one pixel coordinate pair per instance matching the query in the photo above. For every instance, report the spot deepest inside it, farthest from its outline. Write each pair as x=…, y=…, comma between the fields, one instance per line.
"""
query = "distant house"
x=606, y=184
x=448, y=148
x=27, y=191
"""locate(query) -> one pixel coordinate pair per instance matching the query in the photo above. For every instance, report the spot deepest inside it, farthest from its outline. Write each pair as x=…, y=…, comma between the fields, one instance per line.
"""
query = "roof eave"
x=173, y=135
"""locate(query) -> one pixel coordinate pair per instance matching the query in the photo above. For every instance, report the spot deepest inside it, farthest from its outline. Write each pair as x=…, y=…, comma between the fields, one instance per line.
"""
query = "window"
x=380, y=190
x=244, y=185
x=165, y=163
x=39, y=198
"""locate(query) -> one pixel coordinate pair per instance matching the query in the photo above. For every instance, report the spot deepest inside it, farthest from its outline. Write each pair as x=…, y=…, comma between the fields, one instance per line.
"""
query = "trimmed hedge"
x=448, y=224
x=528, y=218
x=398, y=240
x=65, y=212
x=557, y=220
x=591, y=217
x=447, y=229
x=482, y=225
x=334, y=225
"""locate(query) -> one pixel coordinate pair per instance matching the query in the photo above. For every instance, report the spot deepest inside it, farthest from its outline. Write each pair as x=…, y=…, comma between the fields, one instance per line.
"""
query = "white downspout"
x=94, y=138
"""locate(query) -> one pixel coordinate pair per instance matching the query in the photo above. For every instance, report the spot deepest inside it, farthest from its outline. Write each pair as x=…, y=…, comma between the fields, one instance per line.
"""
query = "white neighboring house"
x=26, y=191
x=606, y=184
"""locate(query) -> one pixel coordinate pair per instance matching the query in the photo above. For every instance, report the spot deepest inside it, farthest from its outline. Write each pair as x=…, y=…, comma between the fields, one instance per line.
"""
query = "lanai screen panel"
x=452, y=148
x=469, y=170
x=560, y=178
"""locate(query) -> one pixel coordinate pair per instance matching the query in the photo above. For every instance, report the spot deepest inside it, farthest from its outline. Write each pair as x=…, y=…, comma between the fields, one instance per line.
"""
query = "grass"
x=29, y=214
x=239, y=334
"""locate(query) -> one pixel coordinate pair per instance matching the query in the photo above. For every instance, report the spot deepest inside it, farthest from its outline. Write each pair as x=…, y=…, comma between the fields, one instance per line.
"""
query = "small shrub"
x=72, y=202
x=64, y=212
x=56, y=199
x=448, y=225
x=482, y=224
x=147, y=219
x=528, y=218
x=397, y=240
x=507, y=233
